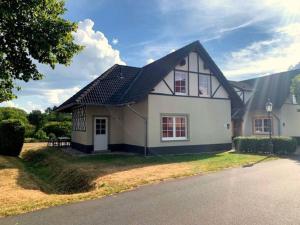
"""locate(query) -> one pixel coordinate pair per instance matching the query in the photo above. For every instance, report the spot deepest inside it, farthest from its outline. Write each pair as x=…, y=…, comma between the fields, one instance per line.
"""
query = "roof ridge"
x=95, y=82
x=163, y=57
x=269, y=75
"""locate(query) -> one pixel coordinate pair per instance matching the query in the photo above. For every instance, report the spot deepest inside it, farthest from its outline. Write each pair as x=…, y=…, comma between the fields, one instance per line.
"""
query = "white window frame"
x=262, y=125
x=174, y=138
x=185, y=74
x=207, y=85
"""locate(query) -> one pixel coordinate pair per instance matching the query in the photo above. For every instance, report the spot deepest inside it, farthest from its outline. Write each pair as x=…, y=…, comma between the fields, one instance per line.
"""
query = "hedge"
x=11, y=137
x=60, y=129
x=281, y=145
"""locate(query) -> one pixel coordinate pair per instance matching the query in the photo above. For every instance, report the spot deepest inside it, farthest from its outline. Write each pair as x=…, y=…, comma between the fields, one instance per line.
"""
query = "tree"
x=36, y=118
x=295, y=88
x=7, y=113
x=32, y=30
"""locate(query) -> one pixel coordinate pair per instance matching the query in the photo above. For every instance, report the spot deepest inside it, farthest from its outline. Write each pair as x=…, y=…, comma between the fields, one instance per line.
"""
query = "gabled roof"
x=241, y=85
x=105, y=90
x=275, y=87
x=137, y=83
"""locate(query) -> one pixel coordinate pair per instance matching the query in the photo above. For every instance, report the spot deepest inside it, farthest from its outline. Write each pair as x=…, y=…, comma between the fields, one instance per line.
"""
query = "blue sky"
x=245, y=38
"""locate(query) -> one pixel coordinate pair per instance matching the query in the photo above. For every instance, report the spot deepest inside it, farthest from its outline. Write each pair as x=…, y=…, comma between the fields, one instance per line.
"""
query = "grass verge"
x=47, y=177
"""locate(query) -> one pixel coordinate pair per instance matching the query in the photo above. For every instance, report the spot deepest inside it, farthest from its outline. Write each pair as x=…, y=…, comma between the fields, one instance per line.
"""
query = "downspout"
x=146, y=127
x=279, y=123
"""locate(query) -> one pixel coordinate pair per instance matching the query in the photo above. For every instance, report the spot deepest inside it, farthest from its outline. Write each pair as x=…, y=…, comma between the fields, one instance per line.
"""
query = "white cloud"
x=115, y=41
x=54, y=96
x=28, y=106
x=10, y=104
x=62, y=82
x=149, y=61
x=274, y=55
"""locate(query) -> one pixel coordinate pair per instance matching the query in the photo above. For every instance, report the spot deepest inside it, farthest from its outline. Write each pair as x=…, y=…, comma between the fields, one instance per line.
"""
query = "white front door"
x=100, y=133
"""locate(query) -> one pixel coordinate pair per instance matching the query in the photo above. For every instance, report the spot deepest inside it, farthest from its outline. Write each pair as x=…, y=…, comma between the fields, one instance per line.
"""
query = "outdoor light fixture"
x=269, y=108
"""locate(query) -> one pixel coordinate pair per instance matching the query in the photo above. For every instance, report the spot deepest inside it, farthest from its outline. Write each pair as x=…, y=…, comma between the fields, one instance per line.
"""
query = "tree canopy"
x=295, y=88
x=32, y=31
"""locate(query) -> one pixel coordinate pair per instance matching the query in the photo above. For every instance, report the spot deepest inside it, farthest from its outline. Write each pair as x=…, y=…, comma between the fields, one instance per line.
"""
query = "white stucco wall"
x=124, y=126
x=248, y=121
x=290, y=120
x=208, y=119
x=193, y=85
x=134, y=126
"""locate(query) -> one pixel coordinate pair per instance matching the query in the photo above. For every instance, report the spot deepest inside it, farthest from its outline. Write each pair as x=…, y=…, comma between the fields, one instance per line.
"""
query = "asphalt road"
x=266, y=193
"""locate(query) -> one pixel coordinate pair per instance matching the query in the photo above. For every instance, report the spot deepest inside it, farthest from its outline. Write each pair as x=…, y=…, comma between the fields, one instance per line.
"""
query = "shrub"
x=52, y=136
x=41, y=135
x=58, y=128
x=281, y=145
x=7, y=113
x=11, y=137
x=297, y=140
x=29, y=130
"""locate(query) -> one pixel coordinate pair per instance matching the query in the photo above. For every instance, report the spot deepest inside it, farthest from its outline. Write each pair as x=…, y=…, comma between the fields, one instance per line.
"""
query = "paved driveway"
x=266, y=193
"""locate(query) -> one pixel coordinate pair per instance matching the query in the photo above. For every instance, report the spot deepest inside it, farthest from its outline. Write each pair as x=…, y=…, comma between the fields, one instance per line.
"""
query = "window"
x=180, y=83
x=100, y=126
x=79, y=119
x=262, y=125
x=204, y=85
x=174, y=128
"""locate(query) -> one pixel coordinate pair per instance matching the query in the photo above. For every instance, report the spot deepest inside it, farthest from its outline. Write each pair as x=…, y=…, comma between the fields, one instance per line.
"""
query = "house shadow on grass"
x=59, y=173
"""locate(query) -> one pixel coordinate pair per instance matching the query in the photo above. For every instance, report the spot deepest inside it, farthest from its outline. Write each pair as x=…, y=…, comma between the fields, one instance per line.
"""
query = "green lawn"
x=45, y=176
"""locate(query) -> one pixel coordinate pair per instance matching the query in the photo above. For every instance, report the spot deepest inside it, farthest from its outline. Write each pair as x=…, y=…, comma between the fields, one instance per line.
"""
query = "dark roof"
x=241, y=85
x=275, y=87
x=105, y=90
x=110, y=89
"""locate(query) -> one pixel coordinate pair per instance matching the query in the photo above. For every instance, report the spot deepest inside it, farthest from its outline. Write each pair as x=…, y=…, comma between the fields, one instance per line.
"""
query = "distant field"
x=45, y=177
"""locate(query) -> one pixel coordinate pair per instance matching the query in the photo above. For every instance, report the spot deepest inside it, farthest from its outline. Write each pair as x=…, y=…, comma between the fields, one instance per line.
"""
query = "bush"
x=281, y=145
x=29, y=130
x=7, y=113
x=41, y=135
x=58, y=128
x=297, y=139
x=52, y=136
x=11, y=137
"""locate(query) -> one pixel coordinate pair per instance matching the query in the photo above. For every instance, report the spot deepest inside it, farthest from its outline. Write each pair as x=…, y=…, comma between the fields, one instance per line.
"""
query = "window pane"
x=180, y=82
x=167, y=126
x=180, y=126
x=170, y=133
x=267, y=125
x=204, y=85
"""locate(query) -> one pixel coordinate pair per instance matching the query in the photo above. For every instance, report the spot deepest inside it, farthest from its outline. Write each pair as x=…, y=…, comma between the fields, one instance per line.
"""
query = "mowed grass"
x=42, y=176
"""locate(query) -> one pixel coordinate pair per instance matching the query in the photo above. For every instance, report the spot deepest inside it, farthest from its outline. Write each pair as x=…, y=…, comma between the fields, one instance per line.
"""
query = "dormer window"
x=180, y=83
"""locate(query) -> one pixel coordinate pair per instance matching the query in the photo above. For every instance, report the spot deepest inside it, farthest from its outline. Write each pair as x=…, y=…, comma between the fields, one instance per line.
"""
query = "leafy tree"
x=52, y=115
x=36, y=118
x=295, y=87
x=32, y=30
x=13, y=113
